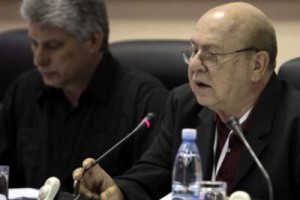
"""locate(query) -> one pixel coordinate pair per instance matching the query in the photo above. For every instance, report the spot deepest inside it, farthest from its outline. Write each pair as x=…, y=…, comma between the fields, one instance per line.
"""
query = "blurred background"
x=175, y=19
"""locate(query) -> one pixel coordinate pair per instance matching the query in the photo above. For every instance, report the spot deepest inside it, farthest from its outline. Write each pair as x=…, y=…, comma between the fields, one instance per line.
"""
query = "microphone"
x=144, y=124
x=235, y=126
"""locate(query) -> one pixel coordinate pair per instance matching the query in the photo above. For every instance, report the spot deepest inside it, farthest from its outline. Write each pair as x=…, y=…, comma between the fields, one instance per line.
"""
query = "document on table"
x=23, y=193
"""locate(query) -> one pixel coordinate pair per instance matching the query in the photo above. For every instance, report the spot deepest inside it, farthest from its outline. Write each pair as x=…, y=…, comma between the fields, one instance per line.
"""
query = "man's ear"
x=96, y=40
x=261, y=63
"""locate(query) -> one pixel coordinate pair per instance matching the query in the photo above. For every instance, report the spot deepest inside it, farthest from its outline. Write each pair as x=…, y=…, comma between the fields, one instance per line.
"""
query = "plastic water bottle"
x=187, y=171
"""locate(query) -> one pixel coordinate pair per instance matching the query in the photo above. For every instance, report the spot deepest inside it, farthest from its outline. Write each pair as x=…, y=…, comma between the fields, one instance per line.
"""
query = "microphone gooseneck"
x=235, y=126
x=144, y=124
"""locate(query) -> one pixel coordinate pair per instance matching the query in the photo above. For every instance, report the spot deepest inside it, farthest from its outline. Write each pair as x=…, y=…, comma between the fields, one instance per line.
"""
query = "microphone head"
x=151, y=116
x=232, y=122
x=149, y=119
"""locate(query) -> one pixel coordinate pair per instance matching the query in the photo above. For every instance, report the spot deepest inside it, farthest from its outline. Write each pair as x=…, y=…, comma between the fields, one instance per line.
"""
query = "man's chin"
x=52, y=83
x=204, y=101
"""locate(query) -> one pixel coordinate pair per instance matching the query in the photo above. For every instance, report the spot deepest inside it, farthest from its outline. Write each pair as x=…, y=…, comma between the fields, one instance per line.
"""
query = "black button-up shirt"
x=42, y=135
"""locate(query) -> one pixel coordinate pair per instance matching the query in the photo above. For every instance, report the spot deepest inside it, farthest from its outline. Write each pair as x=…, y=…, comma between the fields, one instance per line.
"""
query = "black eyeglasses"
x=209, y=59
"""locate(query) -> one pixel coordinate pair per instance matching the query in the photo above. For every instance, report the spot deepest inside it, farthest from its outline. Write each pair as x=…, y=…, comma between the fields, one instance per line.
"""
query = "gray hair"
x=258, y=31
x=78, y=17
x=262, y=35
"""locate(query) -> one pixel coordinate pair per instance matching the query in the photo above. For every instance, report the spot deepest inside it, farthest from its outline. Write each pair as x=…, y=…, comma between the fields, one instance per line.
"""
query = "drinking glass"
x=4, y=175
x=213, y=190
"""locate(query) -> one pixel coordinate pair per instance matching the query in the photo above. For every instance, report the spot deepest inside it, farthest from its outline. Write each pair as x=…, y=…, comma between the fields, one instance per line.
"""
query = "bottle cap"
x=189, y=134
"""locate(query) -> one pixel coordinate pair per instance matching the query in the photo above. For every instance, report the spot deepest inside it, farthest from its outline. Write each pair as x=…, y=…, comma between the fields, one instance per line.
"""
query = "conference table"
x=32, y=194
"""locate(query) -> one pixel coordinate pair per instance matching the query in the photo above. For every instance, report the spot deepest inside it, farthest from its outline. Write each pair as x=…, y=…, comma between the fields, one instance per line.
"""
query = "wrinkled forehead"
x=47, y=32
x=218, y=30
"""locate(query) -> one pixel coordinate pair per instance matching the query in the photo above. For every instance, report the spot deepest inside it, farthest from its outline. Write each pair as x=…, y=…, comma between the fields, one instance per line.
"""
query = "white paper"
x=167, y=197
x=15, y=193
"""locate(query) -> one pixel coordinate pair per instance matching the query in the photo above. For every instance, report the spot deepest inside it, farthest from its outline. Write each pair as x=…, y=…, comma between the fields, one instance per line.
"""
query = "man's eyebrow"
x=44, y=41
x=204, y=46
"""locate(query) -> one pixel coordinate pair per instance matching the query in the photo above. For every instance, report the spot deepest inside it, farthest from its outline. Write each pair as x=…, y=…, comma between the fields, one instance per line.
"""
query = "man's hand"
x=95, y=183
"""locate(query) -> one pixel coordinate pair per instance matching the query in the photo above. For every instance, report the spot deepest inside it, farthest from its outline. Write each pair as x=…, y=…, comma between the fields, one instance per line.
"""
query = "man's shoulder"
x=141, y=76
x=184, y=98
x=135, y=78
x=29, y=80
x=183, y=93
x=131, y=76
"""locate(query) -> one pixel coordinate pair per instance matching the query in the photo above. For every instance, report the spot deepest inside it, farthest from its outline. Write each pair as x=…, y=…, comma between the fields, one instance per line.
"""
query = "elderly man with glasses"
x=231, y=65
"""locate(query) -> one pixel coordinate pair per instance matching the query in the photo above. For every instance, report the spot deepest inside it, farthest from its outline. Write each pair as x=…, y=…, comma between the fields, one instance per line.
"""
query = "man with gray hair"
x=78, y=102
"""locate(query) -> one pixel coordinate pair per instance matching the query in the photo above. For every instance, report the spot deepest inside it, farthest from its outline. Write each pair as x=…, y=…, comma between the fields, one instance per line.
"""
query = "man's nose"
x=196, y=63
x=41, y=57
